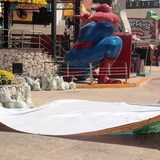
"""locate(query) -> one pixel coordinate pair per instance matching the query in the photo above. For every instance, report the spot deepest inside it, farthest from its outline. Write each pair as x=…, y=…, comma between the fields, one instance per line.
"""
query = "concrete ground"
x=21, y=146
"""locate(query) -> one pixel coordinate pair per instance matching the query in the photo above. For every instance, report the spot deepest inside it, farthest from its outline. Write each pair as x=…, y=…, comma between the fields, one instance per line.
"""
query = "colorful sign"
x=144, y=28
x=133, y=4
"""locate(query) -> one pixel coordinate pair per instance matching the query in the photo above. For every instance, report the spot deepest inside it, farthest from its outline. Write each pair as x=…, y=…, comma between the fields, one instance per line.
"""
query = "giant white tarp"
x=69, y=116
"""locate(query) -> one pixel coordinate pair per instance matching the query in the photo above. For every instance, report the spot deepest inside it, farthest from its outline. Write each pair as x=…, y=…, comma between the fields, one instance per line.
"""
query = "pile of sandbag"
x=20, y=97
x=49, y=82
x=14, y=98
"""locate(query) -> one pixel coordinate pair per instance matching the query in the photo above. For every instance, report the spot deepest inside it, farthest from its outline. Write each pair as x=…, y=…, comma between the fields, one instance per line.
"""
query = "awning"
x=26, y=1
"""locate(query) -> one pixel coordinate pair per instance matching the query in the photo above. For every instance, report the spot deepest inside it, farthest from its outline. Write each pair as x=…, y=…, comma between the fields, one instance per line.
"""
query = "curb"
x=123, y=85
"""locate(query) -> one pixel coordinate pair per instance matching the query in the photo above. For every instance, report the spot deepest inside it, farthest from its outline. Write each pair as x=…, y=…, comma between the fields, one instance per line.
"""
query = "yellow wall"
x=29, y=8
x=70, y=13
x=16, y=18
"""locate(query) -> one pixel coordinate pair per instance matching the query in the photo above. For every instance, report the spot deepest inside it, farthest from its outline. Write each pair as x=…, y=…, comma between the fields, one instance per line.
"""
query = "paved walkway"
x=21, y=146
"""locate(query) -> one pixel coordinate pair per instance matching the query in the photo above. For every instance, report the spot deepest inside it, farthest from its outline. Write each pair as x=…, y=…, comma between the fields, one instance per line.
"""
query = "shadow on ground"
x=151, y=141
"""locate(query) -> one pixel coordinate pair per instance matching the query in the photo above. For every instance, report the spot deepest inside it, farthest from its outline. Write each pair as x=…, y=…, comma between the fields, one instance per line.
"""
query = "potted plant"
x=6, y=77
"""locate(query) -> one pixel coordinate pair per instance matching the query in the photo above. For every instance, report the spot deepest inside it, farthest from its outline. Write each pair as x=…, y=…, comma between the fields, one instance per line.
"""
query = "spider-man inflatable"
x=95, y=44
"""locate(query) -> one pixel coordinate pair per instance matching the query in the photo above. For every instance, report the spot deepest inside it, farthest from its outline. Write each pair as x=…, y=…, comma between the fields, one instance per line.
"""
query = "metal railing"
x=31, y=39
x=87, y=72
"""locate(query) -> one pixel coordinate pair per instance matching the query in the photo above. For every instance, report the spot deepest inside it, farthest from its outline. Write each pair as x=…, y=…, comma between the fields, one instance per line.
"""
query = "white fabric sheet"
x=68, y=116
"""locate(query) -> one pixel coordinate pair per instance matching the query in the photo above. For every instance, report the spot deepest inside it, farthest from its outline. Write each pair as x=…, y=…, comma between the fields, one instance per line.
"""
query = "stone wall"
x=33, y=61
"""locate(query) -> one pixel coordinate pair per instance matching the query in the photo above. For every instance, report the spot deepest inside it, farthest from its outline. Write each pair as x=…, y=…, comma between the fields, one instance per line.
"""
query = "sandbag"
x=27, y=90
x=8, y=105
x=20, y=101
x=21, y=80
x=46, y=79
x=5, y=96
x=29, y=81
x=61, y=84
x=36, y=85
x=53, y=84
x=27, y=96
x=66, y=85
x=72, y=85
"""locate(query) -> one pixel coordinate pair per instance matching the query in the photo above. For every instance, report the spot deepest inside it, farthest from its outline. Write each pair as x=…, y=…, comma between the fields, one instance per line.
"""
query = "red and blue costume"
x=95, y=43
